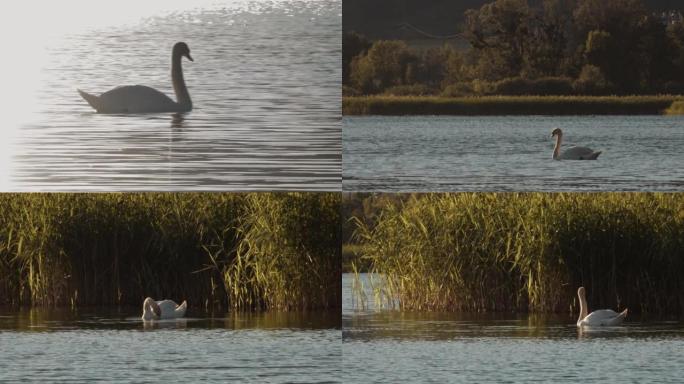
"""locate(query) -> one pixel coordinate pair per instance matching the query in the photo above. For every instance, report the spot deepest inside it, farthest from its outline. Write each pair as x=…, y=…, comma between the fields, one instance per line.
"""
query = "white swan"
x=165, y=309
x=141, y=99
x=601, y=317
x=572, y=153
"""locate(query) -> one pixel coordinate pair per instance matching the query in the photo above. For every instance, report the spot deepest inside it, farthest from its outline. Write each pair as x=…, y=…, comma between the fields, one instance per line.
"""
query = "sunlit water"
x=265, y=85
x=511, y=153
x=116, y=346
x=391, y=346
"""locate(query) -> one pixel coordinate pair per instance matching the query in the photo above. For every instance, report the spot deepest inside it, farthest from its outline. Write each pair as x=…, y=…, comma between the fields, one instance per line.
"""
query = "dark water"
x=511, y=153
x=265, y=85
x=111, y=345
x=386, y=346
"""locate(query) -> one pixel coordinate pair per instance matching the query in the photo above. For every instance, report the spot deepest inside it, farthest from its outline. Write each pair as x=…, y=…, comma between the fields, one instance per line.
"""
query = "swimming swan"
x=599, y=318
x=572, y=153
x=165, y=309
x=142, y=99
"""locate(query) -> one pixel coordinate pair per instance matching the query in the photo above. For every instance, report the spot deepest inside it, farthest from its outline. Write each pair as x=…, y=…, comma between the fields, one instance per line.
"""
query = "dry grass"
x=507, y=105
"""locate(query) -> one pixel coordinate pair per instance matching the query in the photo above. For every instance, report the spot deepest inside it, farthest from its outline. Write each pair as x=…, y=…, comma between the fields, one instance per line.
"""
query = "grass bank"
x=241, y=250
x=507, y=105
x=530, y=252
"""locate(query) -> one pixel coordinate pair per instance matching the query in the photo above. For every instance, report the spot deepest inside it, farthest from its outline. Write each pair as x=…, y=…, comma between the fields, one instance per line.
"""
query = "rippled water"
x=265, y=85
x=383, y=346
x=511, y=153
x=109, y=345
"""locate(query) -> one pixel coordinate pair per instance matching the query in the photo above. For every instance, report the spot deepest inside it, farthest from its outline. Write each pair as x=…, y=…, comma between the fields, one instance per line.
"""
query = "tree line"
x=558, y=47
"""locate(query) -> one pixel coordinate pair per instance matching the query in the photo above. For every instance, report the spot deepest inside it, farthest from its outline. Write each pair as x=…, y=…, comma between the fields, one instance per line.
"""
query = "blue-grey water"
x=511, y=153
x=109, y=345
x=389, y=346
x=265, y=84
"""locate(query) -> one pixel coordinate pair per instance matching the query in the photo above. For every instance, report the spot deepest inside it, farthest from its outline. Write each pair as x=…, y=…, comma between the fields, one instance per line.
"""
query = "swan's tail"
x=93, y=100
x=594, y=155
x=180, y=310
x=619, y=318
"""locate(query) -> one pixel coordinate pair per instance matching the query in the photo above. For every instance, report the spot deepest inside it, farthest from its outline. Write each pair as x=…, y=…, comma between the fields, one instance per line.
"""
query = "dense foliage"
x=556, y=47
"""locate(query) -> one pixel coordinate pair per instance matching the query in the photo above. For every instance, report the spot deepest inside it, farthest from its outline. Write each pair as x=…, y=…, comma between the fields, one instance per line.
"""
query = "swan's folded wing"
x=604, y=317
x=135, y=99
x=579, y=153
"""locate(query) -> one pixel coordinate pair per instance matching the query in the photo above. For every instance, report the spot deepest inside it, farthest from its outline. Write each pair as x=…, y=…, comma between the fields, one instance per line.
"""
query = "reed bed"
x=507, y=105
x=529, y=252
x=241, y=250
x=677, y=108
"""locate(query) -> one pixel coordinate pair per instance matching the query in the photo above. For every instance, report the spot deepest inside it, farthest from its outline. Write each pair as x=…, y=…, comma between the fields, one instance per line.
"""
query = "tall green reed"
x=84, y=249
x=530, y=252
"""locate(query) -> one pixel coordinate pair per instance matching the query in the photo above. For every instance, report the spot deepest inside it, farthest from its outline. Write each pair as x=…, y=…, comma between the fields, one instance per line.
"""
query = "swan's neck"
x=182, y=95
x=556, y=149
x=149, y=312
x=583, y=308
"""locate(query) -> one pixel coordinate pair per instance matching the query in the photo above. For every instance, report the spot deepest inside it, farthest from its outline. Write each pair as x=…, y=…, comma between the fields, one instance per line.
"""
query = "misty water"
x=265, y=84
x=511, y=153
x=388, y=346
x=114, y=345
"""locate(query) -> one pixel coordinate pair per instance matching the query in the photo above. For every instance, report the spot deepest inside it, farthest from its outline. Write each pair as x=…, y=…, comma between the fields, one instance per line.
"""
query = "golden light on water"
x=29, y=27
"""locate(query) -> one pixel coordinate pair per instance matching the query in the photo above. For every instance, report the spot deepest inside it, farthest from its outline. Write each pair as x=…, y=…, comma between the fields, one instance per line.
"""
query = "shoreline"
x=507, y=105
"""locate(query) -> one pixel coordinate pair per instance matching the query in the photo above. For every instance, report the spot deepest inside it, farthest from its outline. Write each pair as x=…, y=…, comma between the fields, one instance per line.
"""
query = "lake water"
x=265, y=85
x=110, y=345
x=511, y=153
x=385, y=346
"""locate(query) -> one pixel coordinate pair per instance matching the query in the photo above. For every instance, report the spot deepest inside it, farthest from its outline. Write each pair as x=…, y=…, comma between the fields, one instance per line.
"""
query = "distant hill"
x=432, y=22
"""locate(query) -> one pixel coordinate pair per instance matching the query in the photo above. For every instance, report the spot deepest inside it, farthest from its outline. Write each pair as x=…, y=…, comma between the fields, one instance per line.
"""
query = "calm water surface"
x=511, y=153
x=110, y=345
x=265, y=85
x=384, y=346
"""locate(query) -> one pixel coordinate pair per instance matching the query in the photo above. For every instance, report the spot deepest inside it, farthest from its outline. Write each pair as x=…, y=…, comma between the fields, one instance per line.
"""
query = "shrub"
x=591, y=81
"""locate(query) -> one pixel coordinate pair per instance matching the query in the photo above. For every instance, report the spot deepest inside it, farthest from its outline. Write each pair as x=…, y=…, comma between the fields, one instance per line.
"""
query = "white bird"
x=572, y=153
x=164, y=309
x=599, y=318
x=142, y=99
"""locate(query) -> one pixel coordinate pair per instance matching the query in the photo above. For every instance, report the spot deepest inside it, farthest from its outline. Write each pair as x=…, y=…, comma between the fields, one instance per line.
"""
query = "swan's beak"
x=189, y=57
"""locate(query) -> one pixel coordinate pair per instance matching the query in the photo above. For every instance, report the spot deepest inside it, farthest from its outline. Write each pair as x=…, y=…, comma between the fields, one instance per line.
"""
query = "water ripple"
x=265, y=88
x=511, y=153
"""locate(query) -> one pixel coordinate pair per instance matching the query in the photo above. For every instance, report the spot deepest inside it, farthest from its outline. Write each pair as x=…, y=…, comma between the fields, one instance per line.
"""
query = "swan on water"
x=598, y=318
x=572, y=153
x=164, y=309
x=142, y=99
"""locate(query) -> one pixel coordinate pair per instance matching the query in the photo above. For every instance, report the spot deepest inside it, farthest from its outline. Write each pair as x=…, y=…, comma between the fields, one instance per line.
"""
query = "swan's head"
x=556, y=132
x=151, y=310
x=580, y=292
x=182, y=49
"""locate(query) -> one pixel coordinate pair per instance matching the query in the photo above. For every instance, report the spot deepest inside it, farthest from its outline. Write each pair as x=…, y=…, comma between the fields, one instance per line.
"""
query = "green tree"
x=433, y=66
x=675, y=34
x=624, y=40
x=500, y=31
x=550, y=31
x=388, y=63
x=353, y=44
